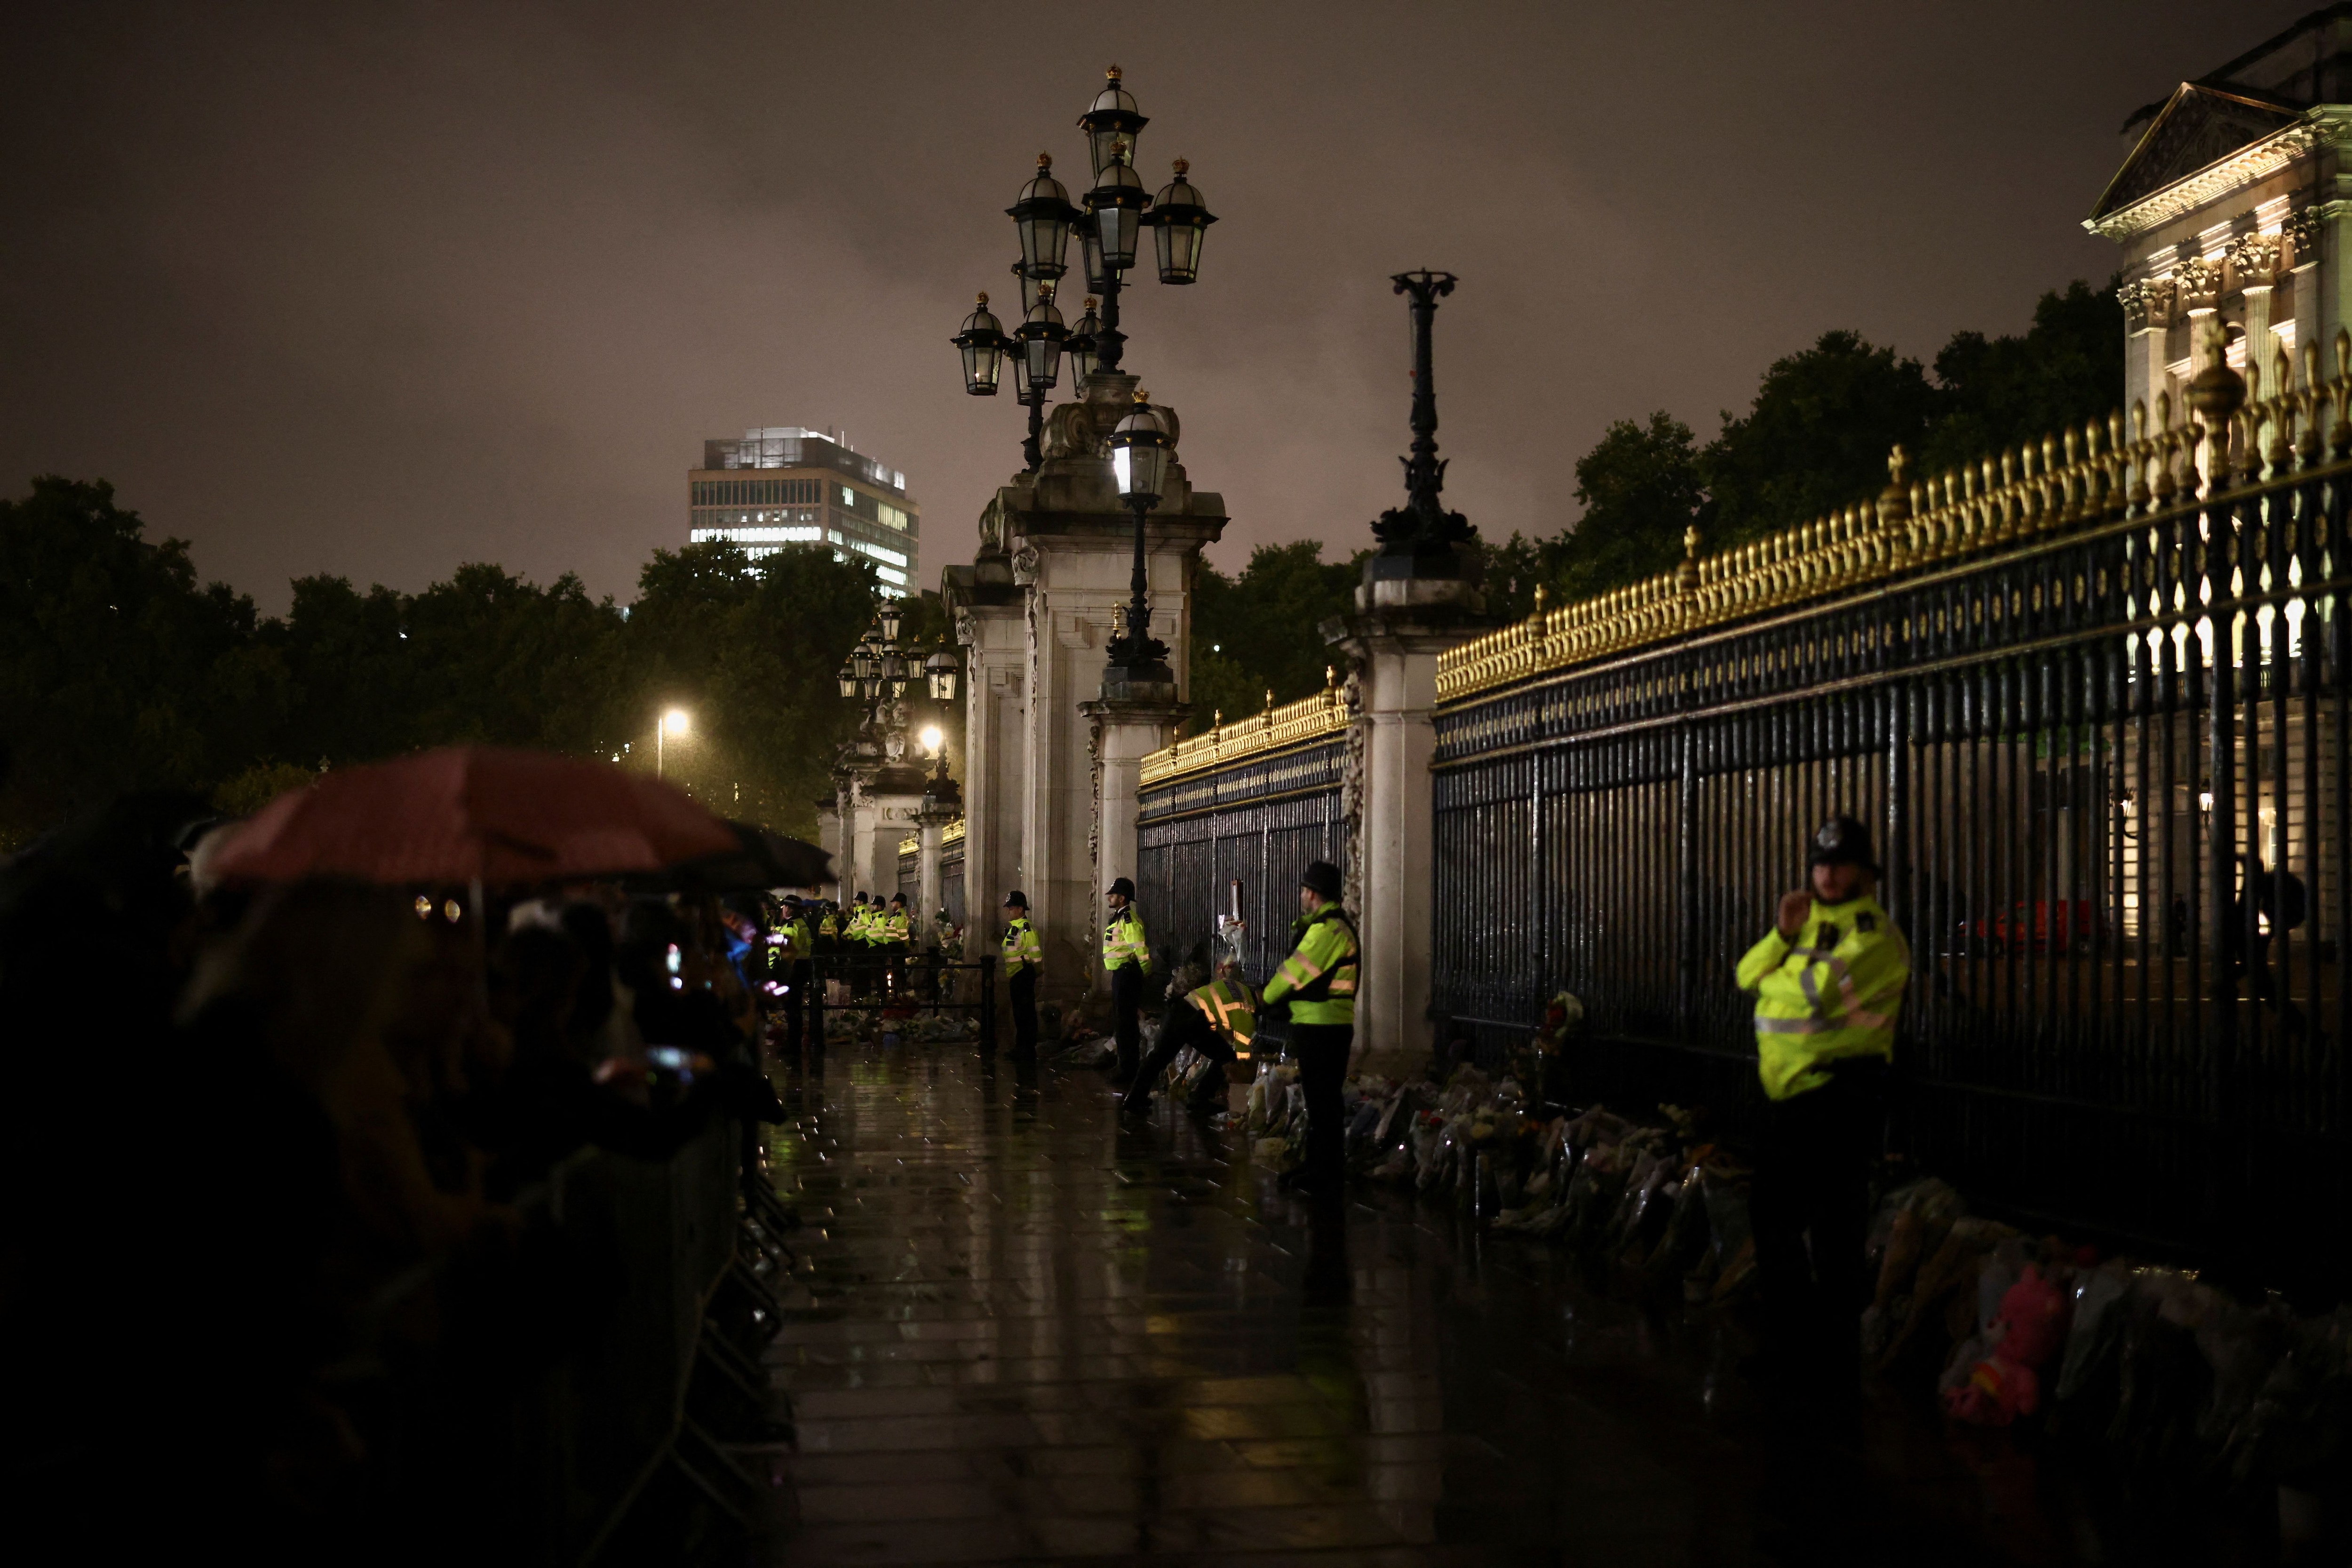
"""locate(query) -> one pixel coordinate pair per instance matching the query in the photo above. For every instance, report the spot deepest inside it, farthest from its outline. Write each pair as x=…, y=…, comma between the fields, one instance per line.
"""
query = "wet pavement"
x=1018, y=1333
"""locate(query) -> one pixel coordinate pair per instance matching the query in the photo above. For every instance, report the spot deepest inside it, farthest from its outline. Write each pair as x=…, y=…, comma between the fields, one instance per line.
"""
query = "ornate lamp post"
x=1418, y=538
x=1138, y=459
x=1109, y=228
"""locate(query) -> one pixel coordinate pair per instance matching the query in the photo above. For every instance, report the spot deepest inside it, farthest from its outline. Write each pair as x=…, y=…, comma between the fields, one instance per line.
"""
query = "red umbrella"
x=467, y=813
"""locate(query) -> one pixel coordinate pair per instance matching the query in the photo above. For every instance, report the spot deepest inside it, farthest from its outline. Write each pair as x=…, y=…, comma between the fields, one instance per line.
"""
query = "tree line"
x=1816, y=437
x=118, y=670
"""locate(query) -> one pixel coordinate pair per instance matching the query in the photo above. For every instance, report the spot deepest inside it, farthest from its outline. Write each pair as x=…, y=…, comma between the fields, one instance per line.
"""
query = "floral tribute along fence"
x=2091, y=698
x=1228, y=819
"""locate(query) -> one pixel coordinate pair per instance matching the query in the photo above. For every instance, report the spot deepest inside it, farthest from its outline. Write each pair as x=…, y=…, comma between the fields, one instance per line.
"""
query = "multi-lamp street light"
x=878, y=672
x=1109, y=228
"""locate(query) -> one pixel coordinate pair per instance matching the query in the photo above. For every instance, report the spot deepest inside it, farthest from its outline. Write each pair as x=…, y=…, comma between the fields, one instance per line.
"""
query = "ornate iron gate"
x=1249, y=803
x=2098, y=727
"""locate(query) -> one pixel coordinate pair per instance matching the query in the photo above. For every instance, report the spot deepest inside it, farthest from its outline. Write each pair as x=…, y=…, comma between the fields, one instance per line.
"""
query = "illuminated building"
x=785, y=486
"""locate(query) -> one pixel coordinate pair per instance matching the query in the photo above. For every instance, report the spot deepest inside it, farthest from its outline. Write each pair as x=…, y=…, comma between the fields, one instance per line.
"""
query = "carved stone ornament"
x=966, y=633
x=1026, y=563
x=1351, y=788
x=2147, y=304
x=1070, y=433
x=2306, y=230
x=1094, y=791
x=2254, y=259
x=2199, y=283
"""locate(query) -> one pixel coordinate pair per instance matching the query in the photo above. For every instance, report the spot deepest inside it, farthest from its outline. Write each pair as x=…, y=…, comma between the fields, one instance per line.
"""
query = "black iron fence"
x=574, y=1396
x=2094, y=712
x=1229, y=821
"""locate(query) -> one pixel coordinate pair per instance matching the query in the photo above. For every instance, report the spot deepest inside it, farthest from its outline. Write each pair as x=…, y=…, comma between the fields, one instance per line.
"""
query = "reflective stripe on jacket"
x=1835, y=992
x=893, y=926
x=1231, y=1011
x=1319, y=975
x=1123, y=942
x=1022, y=950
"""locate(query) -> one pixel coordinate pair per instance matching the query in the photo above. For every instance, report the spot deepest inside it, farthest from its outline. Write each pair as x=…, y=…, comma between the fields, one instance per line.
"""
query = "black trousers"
x=1322, y=1050
x=1812, y=1212
x=1182, y=1025
x=798, y=979
x=1023, y=989
x=1126, y=1015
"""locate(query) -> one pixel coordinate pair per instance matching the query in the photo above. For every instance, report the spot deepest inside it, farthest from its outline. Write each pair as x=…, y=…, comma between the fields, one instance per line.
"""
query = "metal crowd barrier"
x=565, y=1398
x=907, y=983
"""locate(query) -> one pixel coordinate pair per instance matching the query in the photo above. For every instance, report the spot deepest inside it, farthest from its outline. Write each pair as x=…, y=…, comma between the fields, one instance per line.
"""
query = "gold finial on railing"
x=2216, y=391
x=1894, y=501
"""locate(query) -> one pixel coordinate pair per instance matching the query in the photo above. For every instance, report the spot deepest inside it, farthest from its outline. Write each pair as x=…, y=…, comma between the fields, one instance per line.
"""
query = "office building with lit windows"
x=785, y=485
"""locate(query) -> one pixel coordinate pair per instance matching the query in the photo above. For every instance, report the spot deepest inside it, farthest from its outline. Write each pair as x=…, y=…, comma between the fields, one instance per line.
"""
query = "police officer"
x=1316, y=986
x=1828, y=982
x=1025, y=956
x=1127, y=956
x=1217, y=1019
x=797, y=971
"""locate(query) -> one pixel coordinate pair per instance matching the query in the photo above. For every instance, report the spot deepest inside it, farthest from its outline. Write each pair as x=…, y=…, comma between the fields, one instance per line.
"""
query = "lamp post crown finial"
x=1184, y=166
x=1112, y=74
x=1044, y=159
x=983, y=296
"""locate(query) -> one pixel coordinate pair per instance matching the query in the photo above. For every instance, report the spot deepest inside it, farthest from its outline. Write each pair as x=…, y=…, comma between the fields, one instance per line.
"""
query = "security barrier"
x=561, y=1397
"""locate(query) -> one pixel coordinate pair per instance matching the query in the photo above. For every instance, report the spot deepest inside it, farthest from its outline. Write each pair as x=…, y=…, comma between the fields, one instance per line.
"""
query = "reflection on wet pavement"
x=1018, y=1333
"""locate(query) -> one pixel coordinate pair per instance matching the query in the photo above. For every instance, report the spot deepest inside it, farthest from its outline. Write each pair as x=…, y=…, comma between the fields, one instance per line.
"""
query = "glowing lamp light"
x=931, y=738
x=1138, y=452
x=674, y=722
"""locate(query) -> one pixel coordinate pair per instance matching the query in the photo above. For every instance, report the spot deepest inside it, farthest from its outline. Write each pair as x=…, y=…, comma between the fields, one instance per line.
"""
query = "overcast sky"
x=375, y=289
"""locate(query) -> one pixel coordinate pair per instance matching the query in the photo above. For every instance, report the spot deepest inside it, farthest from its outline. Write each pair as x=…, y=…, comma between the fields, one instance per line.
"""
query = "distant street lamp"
x=674, y=722
x=877, y=674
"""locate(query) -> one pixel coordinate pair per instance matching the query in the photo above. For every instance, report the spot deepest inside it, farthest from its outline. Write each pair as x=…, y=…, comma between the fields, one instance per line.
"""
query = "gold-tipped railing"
x=2090, y=473
x=950, y=834
x=1287, y=725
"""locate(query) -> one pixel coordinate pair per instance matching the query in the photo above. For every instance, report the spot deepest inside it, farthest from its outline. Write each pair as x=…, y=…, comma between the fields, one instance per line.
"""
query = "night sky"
x=373, y=289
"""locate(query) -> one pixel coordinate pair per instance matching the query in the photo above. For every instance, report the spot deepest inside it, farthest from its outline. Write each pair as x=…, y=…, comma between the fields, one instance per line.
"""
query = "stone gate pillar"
x=1121, y=732
x=1070, y=542
x=1392, y=862
x=992, y=626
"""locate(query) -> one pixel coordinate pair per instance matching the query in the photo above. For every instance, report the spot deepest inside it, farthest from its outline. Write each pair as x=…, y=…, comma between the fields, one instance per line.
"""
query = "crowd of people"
x=241, y=1116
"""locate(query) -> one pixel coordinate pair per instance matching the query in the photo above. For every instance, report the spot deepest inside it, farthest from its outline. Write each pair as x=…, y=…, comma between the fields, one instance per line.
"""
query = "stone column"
x=991, y=624
x=1394, y=648
x=2147, y=323
x=889, y=806
x=830, y=815
x=2255, y=260
x=928, y=826
x=1070, y=541
x=2306, y=241
x=1121, y=734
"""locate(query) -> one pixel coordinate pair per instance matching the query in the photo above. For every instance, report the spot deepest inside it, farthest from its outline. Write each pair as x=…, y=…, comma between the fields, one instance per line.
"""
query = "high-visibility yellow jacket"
x=1023, y=948
x=1834, y=993
x=797, y=945
x=893, y=926
x=827, y=926
x=1319, y=975
x=1123, y=941
x=1231, y=1011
